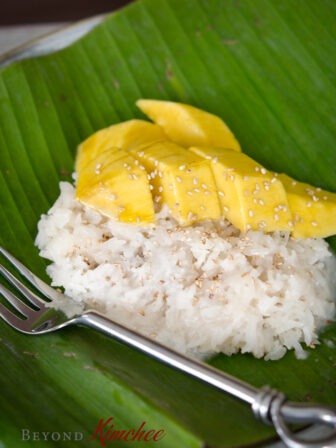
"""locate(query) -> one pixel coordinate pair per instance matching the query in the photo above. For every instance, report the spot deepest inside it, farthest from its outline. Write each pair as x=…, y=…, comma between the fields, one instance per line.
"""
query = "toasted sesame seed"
x=250, y=213
x=182, y=167
x=314, y=223
x=153, y=174
x=178, y=179
x=263, y=170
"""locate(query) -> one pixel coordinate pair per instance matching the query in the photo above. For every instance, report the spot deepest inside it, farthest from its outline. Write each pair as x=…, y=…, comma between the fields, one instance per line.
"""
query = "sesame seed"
x=197, y=190
x=263, y=170
x=325, y=198
x=230, y=169
x=274, y=179
x=248, y=227
x=204, y=186
x=314, y=223
x=202, y=207
x=141, y=154
x=156, y=163
x=232, y=177
x=190, y=216
x=315, y=198
x=190, y=193
x=318, y=189
x=255, y=200
x=276, y=217
x=215, y=159
x=208, y=157
x=207, y=192
x=261, y=202
x=290, y=223
x=225, y=175
x=136, y=162
x=257, y=186
x=255, y=192
x=178, y=179
x=121, y=208
x=225, y=208
x=220, y=193
x=267, y=187
x=138, y=219
x=135, y=177
x=294, y=183
x=257, y=168
x=97, y=169
x=309, y=204
x=157, y=199
x=276, y=174
x=245, y=178
x=112, y=197
x=130, y=176
x=250, y=213
x=160, y=174
x=142, y=167
x=246, y=192
x=182, y=167
x=170, y=187
x=195, y=181
x=151, y=187
x=149, y=176
x=160, y=189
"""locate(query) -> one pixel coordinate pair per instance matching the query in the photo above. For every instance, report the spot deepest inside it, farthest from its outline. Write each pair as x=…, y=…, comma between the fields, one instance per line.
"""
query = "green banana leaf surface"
x=267, y=67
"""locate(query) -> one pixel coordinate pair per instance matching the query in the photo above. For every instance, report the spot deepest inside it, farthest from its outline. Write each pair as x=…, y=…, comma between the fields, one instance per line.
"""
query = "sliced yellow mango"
x=182, y=180
x=189, y=126
x=115, y=185
x=251, y=197
x=126, y=135
x=314, y=209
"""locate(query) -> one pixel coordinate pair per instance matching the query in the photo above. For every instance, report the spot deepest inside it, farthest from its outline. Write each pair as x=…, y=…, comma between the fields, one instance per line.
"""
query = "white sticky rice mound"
x=202, y=289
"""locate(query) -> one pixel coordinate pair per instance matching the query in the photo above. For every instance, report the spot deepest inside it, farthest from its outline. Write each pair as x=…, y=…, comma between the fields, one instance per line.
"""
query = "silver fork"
x=268, y=405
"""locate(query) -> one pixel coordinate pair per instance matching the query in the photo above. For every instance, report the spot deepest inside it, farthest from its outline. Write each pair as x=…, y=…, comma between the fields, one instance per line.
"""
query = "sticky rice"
x=202, y=290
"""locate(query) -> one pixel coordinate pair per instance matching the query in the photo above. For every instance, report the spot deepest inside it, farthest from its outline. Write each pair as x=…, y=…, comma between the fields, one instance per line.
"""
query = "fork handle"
x=267, y=404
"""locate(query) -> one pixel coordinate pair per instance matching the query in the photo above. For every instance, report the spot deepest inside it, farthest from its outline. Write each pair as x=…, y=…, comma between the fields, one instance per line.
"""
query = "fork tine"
x=15, y=302
x=30, y=296
x=11, y=319
x=40, y=285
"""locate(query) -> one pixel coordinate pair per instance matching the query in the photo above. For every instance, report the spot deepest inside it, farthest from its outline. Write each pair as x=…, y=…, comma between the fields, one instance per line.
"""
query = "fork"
x=268, y=405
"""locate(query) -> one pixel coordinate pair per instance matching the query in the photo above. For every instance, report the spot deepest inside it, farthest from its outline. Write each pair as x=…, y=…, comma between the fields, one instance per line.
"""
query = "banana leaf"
x=268, y=68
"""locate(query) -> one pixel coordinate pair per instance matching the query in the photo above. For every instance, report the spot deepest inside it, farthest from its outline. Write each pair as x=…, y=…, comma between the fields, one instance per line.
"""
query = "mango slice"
x=182, y=180
x=115, y=185
x=251, y=197
x=189, y=126
x=314, y=209
x=128, y=134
